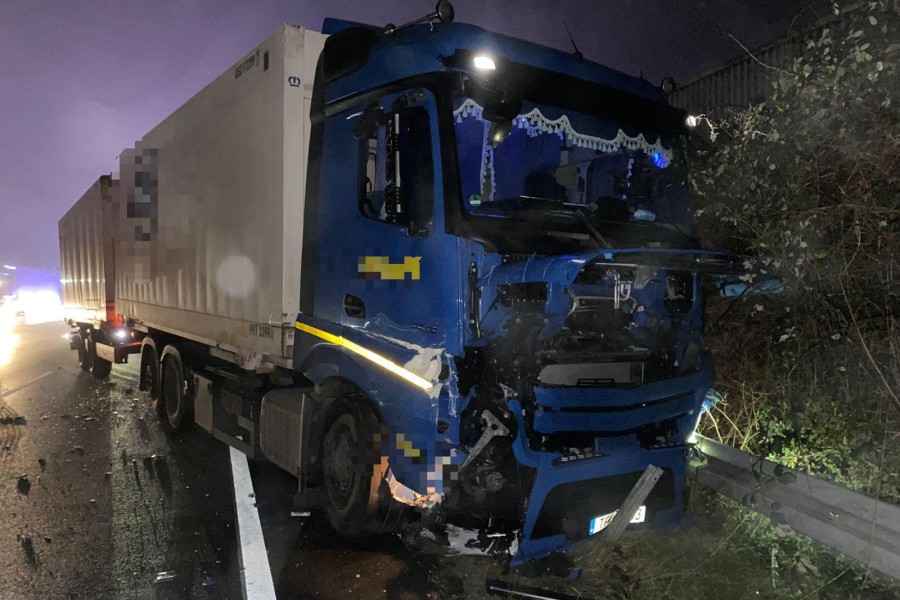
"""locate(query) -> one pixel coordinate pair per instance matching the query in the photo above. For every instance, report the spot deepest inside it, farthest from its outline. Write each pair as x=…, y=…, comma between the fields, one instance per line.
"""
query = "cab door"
x=384, y=264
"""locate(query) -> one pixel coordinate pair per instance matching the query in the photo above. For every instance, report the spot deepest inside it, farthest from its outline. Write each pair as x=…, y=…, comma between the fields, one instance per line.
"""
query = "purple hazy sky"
x=80, y=81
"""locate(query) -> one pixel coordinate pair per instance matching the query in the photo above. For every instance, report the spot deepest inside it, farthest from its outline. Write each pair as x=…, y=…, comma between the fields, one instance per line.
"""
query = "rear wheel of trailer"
x=149, y=381
x=176, y=389
x=100, y=367
x=80, y=340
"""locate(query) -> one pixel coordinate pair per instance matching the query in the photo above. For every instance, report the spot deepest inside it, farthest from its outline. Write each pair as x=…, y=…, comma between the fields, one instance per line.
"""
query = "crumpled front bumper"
x=571, y=490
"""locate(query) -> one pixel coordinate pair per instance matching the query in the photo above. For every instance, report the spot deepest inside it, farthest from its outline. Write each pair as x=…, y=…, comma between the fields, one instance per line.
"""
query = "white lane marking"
x=255, y=573
x=27, y=383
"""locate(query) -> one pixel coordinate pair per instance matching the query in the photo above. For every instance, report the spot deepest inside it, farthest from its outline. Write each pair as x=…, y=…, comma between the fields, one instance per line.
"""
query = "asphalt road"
x=98, y=500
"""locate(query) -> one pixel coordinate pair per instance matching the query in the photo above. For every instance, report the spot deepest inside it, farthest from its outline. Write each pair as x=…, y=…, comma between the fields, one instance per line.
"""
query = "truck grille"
x=610, y=410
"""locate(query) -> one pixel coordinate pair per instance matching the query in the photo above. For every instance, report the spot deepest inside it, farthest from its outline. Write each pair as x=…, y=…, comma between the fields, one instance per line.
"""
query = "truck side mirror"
x=444, y=11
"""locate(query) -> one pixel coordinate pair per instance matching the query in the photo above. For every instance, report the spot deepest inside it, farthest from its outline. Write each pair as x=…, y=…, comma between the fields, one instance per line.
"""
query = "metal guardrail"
x=862, y=528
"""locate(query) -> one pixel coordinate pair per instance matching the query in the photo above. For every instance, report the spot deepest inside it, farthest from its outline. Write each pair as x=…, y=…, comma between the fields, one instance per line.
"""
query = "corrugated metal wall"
x=746, y=80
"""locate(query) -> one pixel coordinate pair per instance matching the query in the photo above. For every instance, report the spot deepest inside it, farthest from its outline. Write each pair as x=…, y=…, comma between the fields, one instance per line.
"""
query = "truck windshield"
x=581, y=178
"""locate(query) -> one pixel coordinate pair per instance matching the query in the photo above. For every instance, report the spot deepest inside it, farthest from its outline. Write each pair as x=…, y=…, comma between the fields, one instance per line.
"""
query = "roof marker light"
x=484, y=63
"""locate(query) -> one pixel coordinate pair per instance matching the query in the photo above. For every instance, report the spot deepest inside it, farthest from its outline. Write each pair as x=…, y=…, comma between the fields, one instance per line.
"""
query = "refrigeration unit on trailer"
x=445, y=277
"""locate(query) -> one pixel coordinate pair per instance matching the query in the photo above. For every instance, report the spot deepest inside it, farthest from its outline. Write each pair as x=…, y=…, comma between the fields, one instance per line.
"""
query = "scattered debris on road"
x=28, y=547
x=164, y=576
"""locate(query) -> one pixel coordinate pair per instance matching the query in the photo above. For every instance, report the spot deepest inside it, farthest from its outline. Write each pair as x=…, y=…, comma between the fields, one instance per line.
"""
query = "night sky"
x=80, y=81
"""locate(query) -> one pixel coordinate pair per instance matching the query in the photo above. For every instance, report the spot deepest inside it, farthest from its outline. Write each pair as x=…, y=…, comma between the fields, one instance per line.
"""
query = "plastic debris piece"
x=164, y=576
x=28, y=547
x=300, y=514
x=208, y=581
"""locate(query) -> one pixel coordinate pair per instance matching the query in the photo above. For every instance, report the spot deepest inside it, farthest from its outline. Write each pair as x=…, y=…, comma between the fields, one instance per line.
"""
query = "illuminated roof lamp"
x=10, y=267
x=692, y=121
x=484, y=63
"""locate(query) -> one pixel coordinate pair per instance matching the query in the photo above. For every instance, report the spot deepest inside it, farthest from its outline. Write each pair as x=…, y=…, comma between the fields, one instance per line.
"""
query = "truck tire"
x=150, y=378
x=79, y=346
x=351, y=468
x=100, y=367
x=176, y=391
x=85, y=355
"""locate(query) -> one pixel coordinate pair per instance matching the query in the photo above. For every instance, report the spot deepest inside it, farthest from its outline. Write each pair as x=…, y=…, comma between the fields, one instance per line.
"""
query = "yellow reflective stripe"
x=367, y=354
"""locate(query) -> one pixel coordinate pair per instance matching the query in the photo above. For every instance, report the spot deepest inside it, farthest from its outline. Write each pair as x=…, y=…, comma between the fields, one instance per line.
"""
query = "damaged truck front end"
x=517, y=295
x=587, y=368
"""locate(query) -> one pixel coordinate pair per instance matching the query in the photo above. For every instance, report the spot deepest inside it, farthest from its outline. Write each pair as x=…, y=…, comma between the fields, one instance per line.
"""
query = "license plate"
x=600, y=523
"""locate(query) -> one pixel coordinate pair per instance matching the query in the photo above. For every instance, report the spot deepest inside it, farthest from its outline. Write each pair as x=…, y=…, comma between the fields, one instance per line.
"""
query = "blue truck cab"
x=501, y=292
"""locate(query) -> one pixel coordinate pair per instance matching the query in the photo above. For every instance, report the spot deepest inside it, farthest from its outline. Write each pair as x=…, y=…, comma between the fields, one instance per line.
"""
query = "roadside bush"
x=808, y=181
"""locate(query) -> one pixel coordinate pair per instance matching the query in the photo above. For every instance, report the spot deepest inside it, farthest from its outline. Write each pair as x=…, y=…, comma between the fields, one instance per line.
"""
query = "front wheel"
x=351, y=468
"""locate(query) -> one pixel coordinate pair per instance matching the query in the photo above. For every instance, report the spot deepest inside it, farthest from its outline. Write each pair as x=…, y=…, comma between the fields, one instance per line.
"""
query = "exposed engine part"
x=519, y=294
x=642, y=276
x=493, y=428
x=492, y=481
x=679, y=291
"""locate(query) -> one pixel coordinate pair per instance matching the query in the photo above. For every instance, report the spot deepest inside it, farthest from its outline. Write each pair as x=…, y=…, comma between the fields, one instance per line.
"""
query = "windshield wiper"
x=592, y=215
x=593, y=231
x=670, y=227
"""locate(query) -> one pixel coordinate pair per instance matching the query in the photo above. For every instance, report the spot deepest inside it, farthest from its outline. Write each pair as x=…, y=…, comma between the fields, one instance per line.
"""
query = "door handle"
x=354, y=307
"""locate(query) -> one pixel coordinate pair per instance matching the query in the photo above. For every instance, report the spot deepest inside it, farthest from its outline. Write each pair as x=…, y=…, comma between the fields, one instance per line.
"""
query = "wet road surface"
x=99, y=500
x=96, y=499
